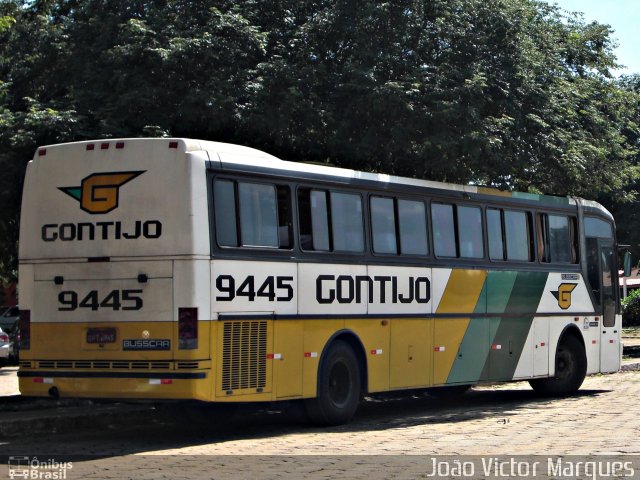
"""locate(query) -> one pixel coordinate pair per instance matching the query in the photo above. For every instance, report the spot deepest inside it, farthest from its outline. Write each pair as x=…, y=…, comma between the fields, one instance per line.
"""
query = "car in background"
x=9, y=317
x=4, y=347
x=14, y=344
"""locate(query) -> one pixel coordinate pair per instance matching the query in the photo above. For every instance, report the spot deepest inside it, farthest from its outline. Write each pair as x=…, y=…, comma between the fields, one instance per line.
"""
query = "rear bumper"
x=106, y=384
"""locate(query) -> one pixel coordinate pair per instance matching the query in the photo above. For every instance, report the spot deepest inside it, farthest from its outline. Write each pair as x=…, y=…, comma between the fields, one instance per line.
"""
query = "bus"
x=184, y=269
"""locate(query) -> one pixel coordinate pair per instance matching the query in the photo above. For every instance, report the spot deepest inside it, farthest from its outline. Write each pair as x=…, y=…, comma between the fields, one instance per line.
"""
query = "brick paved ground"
x=388, y=438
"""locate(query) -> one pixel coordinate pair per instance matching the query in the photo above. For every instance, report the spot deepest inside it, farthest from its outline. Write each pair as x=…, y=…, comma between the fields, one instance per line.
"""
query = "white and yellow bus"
x=186, y=269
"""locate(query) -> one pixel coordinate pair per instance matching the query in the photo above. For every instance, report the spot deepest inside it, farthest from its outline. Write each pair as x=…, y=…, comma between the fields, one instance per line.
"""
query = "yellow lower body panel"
x=236, y=360
x=137, y=388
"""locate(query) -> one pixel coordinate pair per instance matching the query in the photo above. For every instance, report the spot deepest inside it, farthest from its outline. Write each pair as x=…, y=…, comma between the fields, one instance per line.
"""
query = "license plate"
x=101, y=335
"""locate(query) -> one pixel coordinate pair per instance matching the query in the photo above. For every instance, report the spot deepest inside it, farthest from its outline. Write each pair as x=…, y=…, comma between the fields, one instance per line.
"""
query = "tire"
x=338, y=387
x=448, y=392
x=571, y=369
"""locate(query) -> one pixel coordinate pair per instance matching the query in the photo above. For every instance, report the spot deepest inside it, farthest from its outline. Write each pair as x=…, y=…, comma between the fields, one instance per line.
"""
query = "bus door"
x=602, y=277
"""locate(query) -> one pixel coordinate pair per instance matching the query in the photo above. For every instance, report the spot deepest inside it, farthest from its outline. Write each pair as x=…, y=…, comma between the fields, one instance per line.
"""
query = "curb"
x=630, y=367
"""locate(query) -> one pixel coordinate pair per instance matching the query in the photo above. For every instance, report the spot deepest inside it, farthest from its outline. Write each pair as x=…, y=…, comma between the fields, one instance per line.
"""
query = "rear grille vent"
x=188, y=365
x=244, y=355
x=101, y=364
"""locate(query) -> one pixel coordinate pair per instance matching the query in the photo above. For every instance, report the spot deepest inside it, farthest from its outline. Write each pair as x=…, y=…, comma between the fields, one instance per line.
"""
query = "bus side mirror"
x=627, y=263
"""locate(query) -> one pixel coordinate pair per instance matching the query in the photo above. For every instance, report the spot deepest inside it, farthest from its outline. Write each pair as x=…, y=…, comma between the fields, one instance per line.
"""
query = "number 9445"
x=115, y=300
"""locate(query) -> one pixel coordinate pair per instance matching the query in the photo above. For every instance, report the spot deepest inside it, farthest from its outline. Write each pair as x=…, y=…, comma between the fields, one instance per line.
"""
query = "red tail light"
x=4, y=337
x=187, y=328
x=25, y=329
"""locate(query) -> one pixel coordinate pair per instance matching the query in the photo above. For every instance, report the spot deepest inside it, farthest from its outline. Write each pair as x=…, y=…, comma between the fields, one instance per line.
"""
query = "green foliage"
x=631, y=309
x=510, y=93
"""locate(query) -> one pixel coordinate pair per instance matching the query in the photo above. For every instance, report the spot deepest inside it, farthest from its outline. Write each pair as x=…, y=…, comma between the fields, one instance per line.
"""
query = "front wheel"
x=571, y=368
x=339, y=386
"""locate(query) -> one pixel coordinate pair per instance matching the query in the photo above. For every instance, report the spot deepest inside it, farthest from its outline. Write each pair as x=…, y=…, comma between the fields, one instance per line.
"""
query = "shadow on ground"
x=173, y=426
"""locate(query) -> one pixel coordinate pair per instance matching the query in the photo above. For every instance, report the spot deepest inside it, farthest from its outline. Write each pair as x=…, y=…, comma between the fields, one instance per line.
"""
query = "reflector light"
x=120, y=145
x=173, y=144
x=42, y=152
x=104, y=146
x=24, y=324
x=160, y=381
x=187, y=328
x=91, y=146
x=43, y=380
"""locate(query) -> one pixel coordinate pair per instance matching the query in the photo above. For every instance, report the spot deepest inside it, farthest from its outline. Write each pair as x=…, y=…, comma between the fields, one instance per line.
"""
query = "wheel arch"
x=573, y=330
x=350, y=337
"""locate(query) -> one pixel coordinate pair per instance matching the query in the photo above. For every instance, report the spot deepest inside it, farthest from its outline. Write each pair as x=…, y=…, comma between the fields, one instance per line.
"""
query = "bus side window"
x=252, y=214
x=593, y=269
x=383, y=225
x=330, y=221
x=517, y=229
x=346, y=222
x=285, y=217
x=470, y=236
x=224, y=201
x=313, y=220
x=412, y=222
x=444, y=233
x=495, y=233
x=557, y=238
x=394, y=219
x=258, y=215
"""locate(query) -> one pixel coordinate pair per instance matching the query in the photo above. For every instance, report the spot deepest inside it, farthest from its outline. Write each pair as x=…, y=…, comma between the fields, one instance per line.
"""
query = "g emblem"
x=563, y=294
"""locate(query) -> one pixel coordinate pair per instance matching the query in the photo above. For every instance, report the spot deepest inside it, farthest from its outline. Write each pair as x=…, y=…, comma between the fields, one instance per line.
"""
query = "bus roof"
x=237, y=157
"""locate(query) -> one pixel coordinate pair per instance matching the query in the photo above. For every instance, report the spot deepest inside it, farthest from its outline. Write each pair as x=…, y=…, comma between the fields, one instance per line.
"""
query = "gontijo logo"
x=563, y=294
x=98, y=193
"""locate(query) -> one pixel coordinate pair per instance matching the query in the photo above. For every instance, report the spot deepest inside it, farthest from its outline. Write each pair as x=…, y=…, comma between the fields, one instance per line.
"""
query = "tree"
x=509, y=93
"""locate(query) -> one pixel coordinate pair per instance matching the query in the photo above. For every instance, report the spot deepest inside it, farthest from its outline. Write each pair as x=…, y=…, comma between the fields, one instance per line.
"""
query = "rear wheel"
x=571, y=368
x=338, y=386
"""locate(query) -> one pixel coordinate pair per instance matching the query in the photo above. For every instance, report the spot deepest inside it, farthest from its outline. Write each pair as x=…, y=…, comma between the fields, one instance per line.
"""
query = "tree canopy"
x=509, y=93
